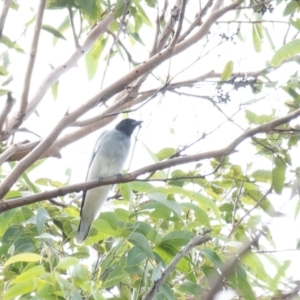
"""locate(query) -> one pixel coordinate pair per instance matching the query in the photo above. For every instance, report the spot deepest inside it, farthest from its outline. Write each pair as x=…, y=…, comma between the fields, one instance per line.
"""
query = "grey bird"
x=109, y=156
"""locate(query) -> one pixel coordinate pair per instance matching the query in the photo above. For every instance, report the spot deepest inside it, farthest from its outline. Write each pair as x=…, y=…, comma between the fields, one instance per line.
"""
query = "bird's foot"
x=119, y=176
x=100, y=178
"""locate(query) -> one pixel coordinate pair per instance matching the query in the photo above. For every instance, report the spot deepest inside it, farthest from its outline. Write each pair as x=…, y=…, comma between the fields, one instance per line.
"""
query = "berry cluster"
x=240, y=82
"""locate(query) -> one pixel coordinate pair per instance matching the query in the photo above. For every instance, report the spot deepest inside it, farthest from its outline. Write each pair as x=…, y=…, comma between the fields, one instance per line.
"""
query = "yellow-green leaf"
x=286, y=51
x=27, y=257
x=226, y=74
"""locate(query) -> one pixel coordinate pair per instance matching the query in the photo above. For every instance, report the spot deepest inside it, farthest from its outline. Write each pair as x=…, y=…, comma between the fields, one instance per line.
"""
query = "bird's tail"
x=82, y=231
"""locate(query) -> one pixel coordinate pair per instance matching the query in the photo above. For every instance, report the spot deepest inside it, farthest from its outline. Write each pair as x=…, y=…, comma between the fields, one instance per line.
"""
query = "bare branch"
x=265, y=128
x=4, y=12
x=106, y=93
x=179, y=28
x=33, y=52
x=10, y=101
x=55, y=74
x=58, y=203
x=204, y=29
x=197, y=21
x=169, y=27
x=73, y=28
x=121, y=27
x=7, y=153
x=199, y=240
x=129, y=56
x=249, y=211
x=228, y=268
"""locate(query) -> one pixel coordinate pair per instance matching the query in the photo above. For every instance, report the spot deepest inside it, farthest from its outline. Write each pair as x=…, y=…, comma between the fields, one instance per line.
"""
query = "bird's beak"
x=138, y=123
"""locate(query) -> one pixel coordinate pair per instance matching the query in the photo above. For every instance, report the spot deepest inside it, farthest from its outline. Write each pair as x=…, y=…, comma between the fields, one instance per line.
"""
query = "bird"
x=109, y=156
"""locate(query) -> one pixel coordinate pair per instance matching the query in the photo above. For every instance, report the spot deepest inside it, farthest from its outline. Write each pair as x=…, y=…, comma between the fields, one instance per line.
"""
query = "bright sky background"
x=189, y=117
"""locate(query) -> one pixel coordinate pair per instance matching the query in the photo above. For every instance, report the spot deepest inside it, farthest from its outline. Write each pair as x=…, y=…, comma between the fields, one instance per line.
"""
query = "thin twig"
x=71, y=15
x=229, y=268
x=33, y=52
x=56, y=73
x=108, y=92
x=122, y=22
x=5, y=7
x=10, y=101
x=7, y=153
x=199, y=240
x=58, y=203
x=129, y=56
x=249, y=211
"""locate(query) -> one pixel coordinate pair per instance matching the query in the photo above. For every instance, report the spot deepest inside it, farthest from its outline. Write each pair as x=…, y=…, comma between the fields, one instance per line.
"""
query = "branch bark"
x=105, y=94
x=53, y=76
x=4, y=13
x=228, y=268
x=10, y=101
x=265, y=128
x=199, y=240
x=33, y=52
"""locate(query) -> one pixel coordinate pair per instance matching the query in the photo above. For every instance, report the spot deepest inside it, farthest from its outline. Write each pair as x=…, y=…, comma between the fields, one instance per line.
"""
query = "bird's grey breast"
x=111, y=154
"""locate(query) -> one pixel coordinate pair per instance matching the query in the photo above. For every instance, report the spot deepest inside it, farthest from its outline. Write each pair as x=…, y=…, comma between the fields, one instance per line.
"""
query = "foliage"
x=239, y=193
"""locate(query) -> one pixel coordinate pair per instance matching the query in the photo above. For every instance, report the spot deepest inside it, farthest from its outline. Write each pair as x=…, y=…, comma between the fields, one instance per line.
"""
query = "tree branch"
x=33, y=52
x=265, y=128
x=4, y=13
x=10, y=101
x=55, y=74
x=199, y=240
x=228, y=268
x=106, y=93
x=71, y=16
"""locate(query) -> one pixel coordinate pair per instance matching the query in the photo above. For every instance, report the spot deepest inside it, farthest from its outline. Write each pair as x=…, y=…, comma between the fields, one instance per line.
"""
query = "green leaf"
x=54, y=31
x=28, y=257
x=80, y=274
x=29, y=274
x=142, y=12
x=226, y=74
x=165, y=153
x=295, y=23
x=3, y=71
x=256, y=38
x=162, y=199
x=92, y=57
x=191, y=288
x=242, y=286
x=110, y=218
x=41, y=217
x=30, y=183
x=67, y=262
x=135, y=256
x=141, y=186
x=141, y=242
x=254, y=263
x=137, y=37
x=212, y=256
x=177, y=238
x=114, y=277
x=278, y=175
x=203, y=201
x=202, y=217
x=291, y=7
x=126, y=192
x=262, y=175
x=285, y=52
x=280, y=274
x=19, y=289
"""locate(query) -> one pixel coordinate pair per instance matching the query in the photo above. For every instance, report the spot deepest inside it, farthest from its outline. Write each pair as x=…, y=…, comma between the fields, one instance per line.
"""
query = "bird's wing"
x=96, y=147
